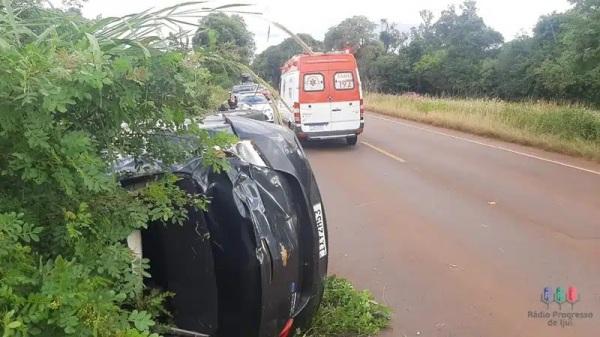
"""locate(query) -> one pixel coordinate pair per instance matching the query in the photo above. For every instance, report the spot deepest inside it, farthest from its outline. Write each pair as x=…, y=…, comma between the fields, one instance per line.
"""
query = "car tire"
x=352, y=140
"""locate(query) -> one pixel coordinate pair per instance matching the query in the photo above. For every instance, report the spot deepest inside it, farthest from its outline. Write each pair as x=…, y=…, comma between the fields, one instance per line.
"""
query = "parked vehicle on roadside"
x=247, y=113
x=253, y=264
x=245, y=88
x=323, y=92
x=257, y=102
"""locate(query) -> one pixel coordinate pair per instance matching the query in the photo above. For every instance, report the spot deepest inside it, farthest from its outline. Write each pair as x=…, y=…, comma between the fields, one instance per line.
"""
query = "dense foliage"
x=561, y=59
x=67, y=85
x=457, y=54
x=268, y=63
x=226, y=33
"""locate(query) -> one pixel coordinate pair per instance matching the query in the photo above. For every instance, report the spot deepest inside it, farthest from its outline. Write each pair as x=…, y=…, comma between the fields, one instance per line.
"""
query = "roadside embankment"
x=568, y=129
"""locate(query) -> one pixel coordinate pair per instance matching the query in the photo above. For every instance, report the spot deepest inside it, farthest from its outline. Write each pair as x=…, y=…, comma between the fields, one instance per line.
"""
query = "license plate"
x=317, y=127
x=318, y=209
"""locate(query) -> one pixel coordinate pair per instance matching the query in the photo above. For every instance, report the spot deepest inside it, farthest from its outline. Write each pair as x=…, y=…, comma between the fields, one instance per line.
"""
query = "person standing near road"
x=232, y=101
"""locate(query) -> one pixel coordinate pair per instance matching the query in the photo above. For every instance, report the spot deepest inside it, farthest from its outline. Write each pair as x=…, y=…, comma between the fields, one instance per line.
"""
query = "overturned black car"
x=254, y=263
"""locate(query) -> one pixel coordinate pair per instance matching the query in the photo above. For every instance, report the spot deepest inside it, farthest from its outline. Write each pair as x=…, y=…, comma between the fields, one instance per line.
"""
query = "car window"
x=250, y=87
x=254, y=99
x=343, y=81
x=314, y=82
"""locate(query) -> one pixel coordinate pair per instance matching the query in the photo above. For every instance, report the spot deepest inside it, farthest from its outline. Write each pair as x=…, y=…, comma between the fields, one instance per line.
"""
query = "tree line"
x=457, y=54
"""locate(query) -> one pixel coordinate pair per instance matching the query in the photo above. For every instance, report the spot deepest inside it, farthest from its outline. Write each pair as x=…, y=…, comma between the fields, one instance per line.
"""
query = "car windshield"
x=250, y=87
x=253, y=99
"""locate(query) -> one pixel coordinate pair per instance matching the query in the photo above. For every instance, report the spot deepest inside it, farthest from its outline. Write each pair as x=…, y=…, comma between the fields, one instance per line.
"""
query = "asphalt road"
x=460, y=234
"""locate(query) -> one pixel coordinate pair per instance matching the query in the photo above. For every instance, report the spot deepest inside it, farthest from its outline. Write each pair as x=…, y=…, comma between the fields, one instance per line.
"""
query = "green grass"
x=347, y=312
x=569, y=129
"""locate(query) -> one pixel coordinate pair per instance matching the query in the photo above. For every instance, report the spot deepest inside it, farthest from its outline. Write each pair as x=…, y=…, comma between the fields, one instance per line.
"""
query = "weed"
x=347, y=312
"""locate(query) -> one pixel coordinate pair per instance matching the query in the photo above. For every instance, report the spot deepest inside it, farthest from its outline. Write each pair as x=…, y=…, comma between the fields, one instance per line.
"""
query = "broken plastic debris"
x=284, y=254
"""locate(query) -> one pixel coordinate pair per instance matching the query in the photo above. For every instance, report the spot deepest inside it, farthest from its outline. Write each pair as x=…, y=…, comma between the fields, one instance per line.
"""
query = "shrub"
x=348, y=312
x=67, y=85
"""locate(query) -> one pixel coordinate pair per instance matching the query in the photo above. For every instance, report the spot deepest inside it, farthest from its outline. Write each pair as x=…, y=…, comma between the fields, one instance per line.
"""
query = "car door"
x=315, y=107
x=344, y=99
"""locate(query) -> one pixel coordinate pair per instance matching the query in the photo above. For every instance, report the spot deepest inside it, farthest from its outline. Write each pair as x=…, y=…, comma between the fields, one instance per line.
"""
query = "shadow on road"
x=327, y=145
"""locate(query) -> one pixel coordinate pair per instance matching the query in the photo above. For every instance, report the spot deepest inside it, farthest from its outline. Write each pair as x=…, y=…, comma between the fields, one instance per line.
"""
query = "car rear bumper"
x=323, y=135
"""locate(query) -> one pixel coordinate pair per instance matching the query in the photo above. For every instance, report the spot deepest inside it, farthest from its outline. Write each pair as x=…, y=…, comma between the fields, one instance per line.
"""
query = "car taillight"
x=287, y=328
x=362, y=109
x=296, y=110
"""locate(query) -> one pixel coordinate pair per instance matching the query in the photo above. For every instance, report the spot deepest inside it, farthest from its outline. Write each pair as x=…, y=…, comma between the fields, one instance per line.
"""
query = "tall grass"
x=346, y=311
x=569, y=129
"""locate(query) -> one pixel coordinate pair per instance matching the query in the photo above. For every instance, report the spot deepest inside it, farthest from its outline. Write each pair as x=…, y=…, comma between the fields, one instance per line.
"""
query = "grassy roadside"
x=567, y=129
x=348, y=312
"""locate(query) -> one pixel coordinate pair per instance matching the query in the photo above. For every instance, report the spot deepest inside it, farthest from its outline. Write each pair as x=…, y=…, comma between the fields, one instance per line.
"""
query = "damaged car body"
x=254, y=262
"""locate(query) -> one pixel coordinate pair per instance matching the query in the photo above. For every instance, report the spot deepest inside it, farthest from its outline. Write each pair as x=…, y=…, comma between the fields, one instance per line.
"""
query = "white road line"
x=384, y=152
x=488, y=145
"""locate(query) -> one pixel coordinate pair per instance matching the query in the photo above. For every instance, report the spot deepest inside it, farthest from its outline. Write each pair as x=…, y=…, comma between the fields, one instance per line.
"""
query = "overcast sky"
x=510, y=17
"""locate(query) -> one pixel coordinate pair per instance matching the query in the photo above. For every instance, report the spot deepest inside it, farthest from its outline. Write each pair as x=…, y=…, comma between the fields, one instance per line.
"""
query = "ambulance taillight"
x=296, y=110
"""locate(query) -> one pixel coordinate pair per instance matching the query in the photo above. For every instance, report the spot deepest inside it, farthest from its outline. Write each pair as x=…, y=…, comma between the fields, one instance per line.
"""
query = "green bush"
x=67, y=85
x=347, y=312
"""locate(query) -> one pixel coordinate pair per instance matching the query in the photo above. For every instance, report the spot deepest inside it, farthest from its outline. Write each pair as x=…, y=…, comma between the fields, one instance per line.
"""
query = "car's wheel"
x=351, y=140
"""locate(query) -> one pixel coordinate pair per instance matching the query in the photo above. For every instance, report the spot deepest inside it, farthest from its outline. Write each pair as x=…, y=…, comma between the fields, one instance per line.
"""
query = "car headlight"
x=246, y=151
x=268, y=112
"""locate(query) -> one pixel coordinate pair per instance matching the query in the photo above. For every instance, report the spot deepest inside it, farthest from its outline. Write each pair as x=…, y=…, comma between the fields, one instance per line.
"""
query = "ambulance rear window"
x=314, y=82
x=344, y=81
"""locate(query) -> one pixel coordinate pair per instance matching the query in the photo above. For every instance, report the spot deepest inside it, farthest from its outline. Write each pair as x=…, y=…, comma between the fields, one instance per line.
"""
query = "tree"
x=390, y=35
x=358, y=35
x=448, y=55
x=568, y=60
x=392, y=74
x=227, y=34
x=561, y=60
x=510, y=74
x=67, y=86
x=268, y=63
x=352, y=33
x=366, y=56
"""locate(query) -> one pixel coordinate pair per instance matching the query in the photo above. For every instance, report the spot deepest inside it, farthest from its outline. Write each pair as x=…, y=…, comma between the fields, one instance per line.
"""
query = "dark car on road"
x=254, y=262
